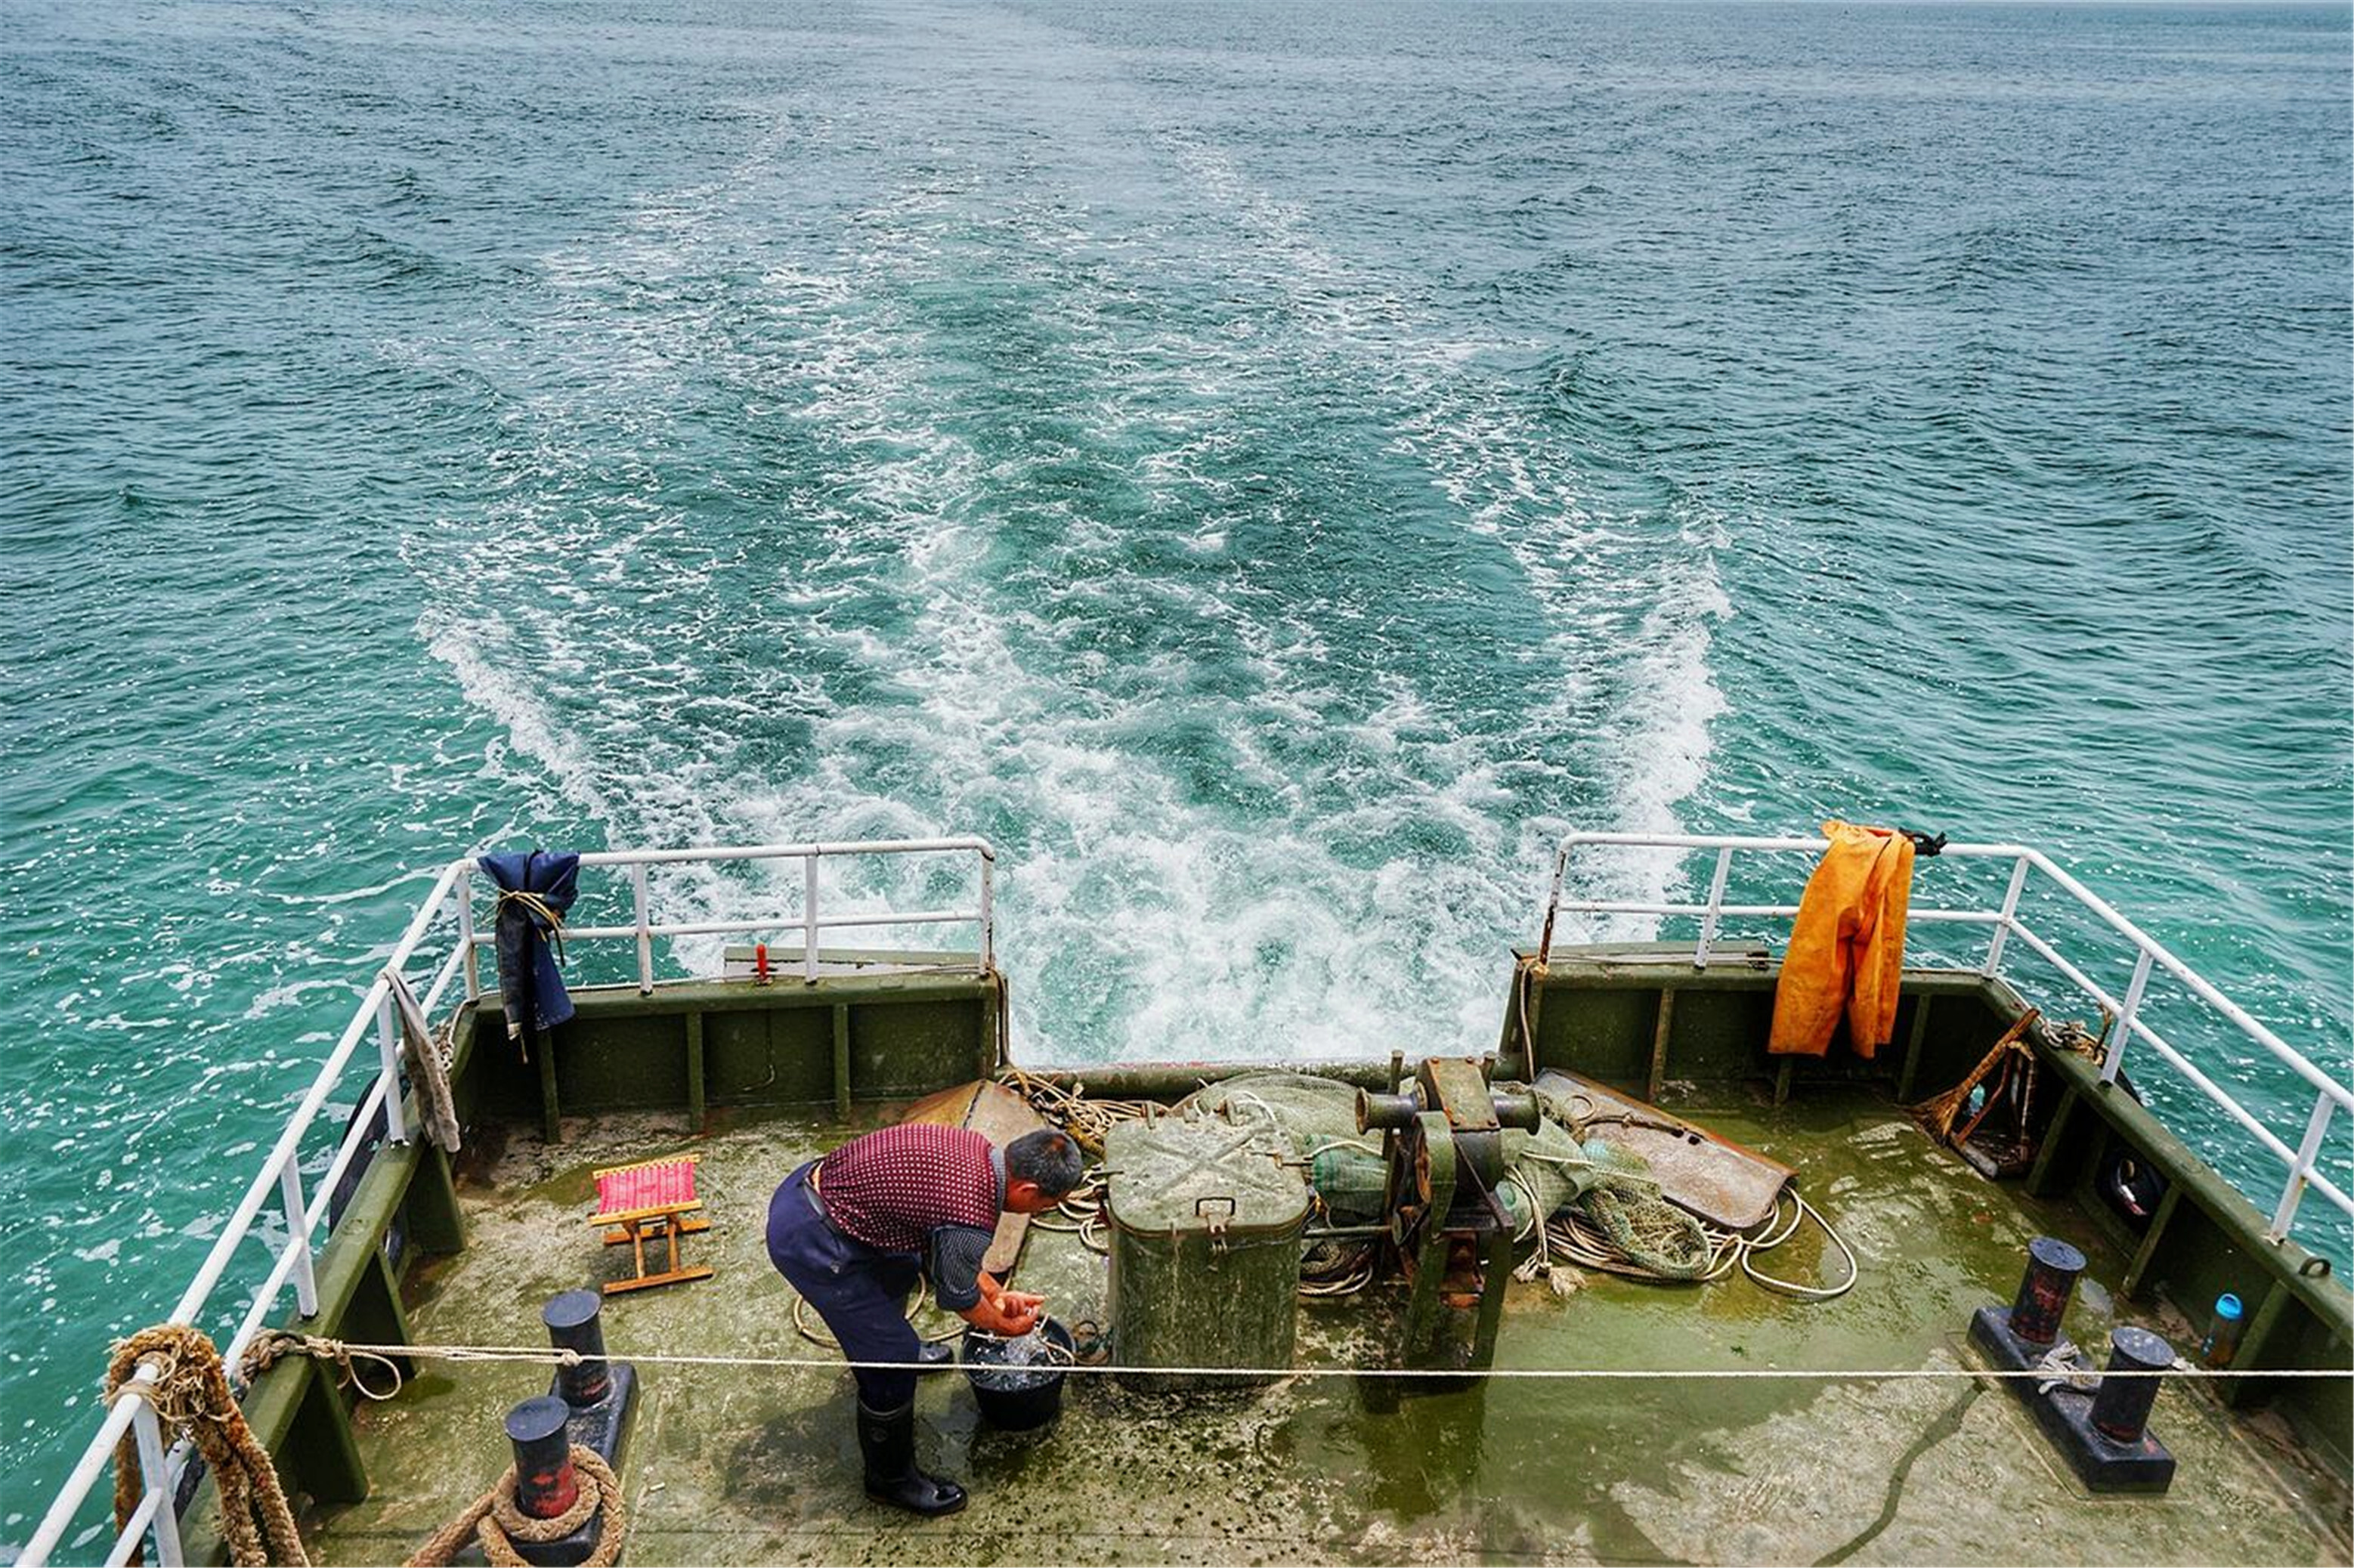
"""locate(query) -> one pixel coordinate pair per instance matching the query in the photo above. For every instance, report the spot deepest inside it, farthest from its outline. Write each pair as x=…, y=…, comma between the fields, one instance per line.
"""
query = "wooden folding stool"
x=656, y=1197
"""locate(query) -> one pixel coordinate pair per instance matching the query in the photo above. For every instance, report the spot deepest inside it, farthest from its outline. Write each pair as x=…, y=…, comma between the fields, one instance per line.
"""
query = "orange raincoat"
x=1847, y=948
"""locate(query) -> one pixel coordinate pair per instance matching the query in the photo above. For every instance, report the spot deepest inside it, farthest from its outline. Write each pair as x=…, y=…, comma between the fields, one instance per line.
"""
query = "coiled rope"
x=1090, y=1122
x=496, y=1520
x=1570, y=1238
x=1081, y=1213
x=191, y=1398
x=916, y=1301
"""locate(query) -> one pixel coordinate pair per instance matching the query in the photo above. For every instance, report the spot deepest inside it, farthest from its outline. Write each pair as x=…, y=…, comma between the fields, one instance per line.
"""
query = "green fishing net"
x=1546, y=1171
x=1318, y=1118
x=1647, y=1229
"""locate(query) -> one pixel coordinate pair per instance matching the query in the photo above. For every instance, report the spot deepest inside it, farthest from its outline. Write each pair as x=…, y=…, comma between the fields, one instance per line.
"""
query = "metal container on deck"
x=1205, y=1223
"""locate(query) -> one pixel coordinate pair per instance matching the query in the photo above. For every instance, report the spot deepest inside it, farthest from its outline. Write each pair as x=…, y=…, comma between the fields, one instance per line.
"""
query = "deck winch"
x=1447, y=1229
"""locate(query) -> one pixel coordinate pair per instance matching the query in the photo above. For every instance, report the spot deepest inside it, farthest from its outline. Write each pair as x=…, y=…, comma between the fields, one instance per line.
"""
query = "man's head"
x=1040, y=1169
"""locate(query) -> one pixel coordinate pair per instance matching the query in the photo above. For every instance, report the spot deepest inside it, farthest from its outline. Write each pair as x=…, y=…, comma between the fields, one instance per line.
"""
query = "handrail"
x=2331, y=1094
x=280, y=1176
x=279, y=1173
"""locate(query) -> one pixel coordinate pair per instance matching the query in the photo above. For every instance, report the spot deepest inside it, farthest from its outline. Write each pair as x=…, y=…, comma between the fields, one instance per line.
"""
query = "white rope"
x=1746, y=1250
x=549, y=1355
x=1568, y=1236
x=2063, y=1364
x=917, y=1302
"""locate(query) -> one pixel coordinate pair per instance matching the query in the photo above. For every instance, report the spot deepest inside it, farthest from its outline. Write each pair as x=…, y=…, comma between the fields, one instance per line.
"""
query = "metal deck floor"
x=733, y=1464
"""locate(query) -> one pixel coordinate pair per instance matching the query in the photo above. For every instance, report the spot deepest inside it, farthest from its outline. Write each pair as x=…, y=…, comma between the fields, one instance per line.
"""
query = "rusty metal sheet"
x=1000, y=1115
x=1713, y=1177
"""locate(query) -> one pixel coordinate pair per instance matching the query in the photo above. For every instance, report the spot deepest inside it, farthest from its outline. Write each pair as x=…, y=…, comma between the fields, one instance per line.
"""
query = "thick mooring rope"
x=191, y=1397
x=497, y=1522
x=425, y=1050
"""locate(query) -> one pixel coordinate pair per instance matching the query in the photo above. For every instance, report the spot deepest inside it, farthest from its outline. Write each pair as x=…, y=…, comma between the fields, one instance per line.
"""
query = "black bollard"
x=2100, y=1433
x=545, y=1484
x=2052, y=1267
x=2121, y=1405
x=573, y=1324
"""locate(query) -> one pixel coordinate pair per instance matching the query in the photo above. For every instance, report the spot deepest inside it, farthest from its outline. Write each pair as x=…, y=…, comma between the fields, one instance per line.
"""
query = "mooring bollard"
x=2052, y=1267
x=2100, y=1433
x=574, y=1324
x=545, y=1483
x=2121, y=1405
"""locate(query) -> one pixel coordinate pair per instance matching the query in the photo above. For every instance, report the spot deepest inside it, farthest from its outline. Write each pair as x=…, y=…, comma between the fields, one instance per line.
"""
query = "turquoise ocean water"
x=1270, y=467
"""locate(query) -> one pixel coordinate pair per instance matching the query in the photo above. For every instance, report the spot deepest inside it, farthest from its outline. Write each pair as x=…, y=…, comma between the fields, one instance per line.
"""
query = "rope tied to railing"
x=539, y=909
x=191, y=1398
x=273, y=1345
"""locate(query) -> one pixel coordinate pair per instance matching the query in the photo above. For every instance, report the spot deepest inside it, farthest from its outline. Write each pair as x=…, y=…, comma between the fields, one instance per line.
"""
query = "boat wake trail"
x=1074, y=492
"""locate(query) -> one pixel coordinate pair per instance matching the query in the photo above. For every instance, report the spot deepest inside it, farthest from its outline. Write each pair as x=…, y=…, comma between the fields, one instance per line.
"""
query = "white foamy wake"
x=1510, y=479
x=780, y=551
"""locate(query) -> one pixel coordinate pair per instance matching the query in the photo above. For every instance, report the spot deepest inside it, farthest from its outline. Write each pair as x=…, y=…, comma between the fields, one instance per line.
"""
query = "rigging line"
x=549, y=1354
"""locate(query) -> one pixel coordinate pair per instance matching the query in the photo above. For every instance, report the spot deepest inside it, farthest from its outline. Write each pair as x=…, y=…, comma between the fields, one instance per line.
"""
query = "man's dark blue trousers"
x=859, y=1290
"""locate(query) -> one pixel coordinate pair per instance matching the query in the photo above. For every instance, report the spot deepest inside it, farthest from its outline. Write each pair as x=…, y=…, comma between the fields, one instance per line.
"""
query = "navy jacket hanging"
x=529, y=984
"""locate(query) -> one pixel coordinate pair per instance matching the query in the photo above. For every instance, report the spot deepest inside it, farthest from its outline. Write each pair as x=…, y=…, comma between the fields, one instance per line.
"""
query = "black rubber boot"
x=887, y=1438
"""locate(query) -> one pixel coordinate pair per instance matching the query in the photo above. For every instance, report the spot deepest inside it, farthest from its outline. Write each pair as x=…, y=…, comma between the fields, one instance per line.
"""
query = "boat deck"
x=758, y=1465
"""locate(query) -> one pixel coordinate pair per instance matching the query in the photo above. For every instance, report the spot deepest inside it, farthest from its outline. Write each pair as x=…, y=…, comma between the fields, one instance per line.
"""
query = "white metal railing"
x=281, y=1176
x=2330, y=1095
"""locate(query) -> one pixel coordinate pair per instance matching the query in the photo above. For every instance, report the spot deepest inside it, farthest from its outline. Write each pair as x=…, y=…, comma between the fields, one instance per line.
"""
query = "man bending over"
x=852, y=1231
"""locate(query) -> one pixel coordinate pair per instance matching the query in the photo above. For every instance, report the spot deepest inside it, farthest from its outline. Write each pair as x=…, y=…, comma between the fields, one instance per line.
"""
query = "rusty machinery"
x=1443, y=1138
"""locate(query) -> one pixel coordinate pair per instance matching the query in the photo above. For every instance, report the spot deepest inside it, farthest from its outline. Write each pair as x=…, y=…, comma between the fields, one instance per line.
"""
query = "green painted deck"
x=728, y=1464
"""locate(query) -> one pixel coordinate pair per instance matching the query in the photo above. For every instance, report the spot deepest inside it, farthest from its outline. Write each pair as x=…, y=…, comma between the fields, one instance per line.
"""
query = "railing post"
x=1552, y=906
x=2009, y=913
x=2316, y=1129
x=396, y=1122
x=809, y=918
x=988, y=930
x=298, y=1235
x=2118, y=1040
x=645, y=936
x=465, y=892
x=1715, y=908
x=156, y=1474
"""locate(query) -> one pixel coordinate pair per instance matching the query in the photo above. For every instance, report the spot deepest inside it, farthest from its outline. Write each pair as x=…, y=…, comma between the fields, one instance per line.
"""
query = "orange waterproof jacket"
x=1847, y=948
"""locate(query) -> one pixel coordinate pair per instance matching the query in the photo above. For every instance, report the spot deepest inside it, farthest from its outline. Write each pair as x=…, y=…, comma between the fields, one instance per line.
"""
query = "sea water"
x=1272, y=466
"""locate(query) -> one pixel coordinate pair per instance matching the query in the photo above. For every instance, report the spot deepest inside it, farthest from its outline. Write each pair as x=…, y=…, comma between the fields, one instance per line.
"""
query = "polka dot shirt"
x=907, y=1189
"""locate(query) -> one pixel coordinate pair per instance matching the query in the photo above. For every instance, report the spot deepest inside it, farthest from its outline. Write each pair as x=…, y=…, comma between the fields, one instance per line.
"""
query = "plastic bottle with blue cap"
x=2223, y=1339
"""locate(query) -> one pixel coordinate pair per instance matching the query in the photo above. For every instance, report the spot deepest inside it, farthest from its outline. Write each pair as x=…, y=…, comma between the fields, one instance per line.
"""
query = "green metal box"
x=1205, y=1221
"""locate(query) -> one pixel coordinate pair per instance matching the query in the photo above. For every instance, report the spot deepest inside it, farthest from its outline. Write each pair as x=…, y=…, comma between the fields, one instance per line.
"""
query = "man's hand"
x=1011, y=1313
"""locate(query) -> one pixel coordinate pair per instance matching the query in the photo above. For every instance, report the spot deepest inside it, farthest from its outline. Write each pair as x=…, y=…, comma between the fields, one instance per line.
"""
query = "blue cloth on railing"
x=530, y=987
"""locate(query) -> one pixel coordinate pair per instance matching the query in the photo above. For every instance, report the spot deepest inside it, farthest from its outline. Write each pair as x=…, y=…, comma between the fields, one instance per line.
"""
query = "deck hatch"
x=1716, y=1178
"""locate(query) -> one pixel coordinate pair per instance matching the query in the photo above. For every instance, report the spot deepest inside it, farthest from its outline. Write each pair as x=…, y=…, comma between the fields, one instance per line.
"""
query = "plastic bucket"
x=1015, y=1399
